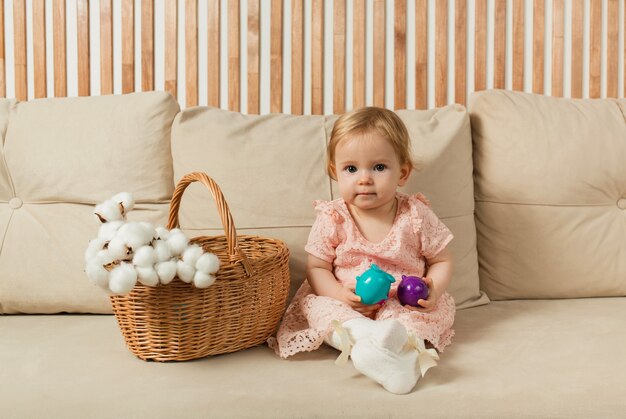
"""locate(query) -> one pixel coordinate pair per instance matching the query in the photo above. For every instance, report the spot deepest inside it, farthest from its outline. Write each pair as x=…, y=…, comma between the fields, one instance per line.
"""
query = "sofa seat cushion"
x=59, y=158
x=512, y=359
x=550, y=178
x=272, y=167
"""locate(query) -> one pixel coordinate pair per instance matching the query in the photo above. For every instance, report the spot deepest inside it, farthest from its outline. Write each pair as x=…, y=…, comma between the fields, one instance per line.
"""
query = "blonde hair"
x=363, y=120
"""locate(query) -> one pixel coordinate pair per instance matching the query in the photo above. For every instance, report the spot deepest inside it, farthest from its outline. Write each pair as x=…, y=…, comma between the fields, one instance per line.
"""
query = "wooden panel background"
x=367, y=53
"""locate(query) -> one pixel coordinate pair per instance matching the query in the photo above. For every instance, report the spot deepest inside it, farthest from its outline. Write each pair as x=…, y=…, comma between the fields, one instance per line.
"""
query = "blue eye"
x=379, y=167
x=350, y=169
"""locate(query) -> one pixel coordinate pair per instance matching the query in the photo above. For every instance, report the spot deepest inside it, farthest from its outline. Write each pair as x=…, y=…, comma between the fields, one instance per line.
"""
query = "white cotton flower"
x=162, y=233
x=126, y=199
x=166, y=271
x=109, y=210
x=122, y=279
x=136, y=234
x=97, y=273
x=185, y=271
x=208, y=263
x=108, y=230
x=147, y=275
x=162, y=250
x=118, y=248
x=192, y=254
x=203, y=280
x=177, y=241
x=94, y=246
x=145, y=257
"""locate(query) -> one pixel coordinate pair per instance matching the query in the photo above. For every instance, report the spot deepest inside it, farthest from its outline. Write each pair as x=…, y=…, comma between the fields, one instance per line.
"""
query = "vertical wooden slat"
x=39, y=47
x=421, y=54
x=128, y=46
x=3, y=83
x=460, y=51
x=379, y=53
x=253, y=56
x=233, y=56
x=441, y=52
x=339, y=57
x=170, y=71
x=518, y=45
x=400, y=54
x=276, y=57
x=558, y=31
x=480, y=46
x=191, y=52
x=612, y=48
x=538, y=45
x=624, y=55
x=358, y=48
x=297, y=57
x=106, y=47
x=499, y=70
x=60, y=49
x=147, y=45
x=213, y=53
x=82, y=44
x=577, y=49
x=595, y=49
x=317, y=57
x=19, y=42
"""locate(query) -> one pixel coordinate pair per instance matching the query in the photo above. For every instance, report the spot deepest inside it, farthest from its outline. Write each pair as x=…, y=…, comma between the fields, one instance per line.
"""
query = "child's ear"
x=405, y=172
x=332, y=171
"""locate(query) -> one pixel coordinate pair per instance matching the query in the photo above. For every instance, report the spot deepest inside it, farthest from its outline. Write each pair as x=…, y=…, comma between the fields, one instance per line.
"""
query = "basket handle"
x=234, y=253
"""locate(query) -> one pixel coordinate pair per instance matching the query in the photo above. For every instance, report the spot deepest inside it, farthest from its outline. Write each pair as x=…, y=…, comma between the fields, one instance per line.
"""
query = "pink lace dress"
x=416, y=235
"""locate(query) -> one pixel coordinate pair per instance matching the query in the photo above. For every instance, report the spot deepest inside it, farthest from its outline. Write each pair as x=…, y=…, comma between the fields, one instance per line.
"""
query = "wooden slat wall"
x=431, y=39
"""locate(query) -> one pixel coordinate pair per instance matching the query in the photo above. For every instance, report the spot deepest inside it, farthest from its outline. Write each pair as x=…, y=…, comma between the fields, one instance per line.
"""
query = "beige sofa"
x=534, y=189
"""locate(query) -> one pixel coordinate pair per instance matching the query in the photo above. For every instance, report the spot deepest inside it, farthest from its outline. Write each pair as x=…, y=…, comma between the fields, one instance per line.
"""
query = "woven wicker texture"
x=178, y=322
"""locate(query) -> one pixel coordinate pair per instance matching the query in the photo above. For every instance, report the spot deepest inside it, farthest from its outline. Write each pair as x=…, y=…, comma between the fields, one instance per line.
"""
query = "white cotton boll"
x=104, y=257
x=202, y=280
x=126, y=199
x=149, y=230
x=94, y=246
x=162, y=233
x=122, y=279
x=136, y=234
x=185, y=271
x=118, y=249
x=208, y=263
x=162, y=251
x=145, y=257
x=192, y=254
x=108, y=230
x=177, y=241
x=108, y=210
x=166, y=271
x=147, y=275
x=97, y=274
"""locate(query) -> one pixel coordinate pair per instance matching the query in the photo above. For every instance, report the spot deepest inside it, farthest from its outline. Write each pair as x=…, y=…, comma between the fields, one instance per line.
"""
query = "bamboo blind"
x=307, y=27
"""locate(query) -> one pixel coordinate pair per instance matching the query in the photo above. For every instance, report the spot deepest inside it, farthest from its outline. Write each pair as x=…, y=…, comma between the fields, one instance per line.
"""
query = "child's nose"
x=366, y=177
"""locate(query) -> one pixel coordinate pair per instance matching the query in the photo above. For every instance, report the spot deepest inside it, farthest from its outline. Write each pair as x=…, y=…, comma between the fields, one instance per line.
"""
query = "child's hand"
x=349, y=297
x=428, y=304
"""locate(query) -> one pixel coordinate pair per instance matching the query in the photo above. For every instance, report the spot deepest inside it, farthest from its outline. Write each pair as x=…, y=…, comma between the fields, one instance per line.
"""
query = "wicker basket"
x=178, y=322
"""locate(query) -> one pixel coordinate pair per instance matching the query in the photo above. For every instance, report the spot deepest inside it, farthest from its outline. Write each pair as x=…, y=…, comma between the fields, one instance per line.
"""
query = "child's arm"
x=323, y=282
x=437, y=278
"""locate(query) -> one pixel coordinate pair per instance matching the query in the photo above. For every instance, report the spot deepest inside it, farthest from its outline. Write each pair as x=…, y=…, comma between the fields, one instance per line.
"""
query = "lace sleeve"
x=434, y=235
x=324, y=235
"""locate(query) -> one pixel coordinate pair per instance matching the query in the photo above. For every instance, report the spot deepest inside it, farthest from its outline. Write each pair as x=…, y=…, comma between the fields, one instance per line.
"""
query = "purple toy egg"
x=411, y=290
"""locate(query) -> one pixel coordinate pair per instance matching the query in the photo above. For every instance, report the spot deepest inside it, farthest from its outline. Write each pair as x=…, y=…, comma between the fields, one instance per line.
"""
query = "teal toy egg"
x=373, y=285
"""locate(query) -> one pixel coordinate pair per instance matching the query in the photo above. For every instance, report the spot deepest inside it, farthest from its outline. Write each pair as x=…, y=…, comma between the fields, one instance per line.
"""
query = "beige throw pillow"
x=272, y=167
x=550, y=195
x=59, y=158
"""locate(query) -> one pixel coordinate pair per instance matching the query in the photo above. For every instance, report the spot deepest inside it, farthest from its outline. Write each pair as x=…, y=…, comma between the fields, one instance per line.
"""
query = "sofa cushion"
x=272, y=167
x=550, y=195
x=63, y=156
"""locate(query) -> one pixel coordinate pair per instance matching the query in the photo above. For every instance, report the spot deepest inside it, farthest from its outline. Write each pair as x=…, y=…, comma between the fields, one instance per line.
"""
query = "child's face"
x=368, y=171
